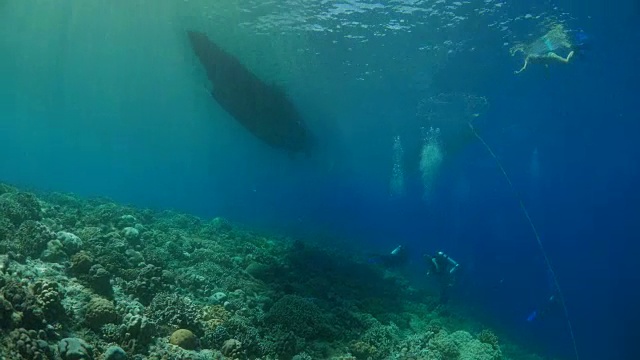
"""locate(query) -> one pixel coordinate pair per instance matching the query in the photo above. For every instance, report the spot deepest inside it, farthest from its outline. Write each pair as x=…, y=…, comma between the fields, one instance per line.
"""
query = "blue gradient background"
x=148, y=138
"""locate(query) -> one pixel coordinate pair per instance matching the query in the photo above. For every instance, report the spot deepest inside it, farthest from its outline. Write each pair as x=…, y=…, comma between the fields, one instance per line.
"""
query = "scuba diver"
x=443, y=268
x=549, y=306
x=398, y=257
x=557, y=45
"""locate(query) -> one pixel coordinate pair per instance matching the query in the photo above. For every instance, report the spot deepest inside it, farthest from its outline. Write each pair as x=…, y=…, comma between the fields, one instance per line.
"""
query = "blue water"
x=112, y=104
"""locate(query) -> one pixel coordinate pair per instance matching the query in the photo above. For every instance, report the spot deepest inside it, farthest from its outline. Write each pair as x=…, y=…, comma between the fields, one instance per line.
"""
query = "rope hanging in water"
x=535, y=233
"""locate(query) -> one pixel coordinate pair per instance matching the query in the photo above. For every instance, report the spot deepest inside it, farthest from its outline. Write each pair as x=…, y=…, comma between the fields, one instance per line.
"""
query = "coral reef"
x=300, y=316
x=90, y=279
x=184, y=339
x=100, y=312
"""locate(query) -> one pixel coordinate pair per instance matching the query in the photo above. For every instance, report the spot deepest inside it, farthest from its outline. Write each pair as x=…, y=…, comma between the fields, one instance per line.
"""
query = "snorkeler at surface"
x=443, y=268
x=554, y=46
x=398, y=257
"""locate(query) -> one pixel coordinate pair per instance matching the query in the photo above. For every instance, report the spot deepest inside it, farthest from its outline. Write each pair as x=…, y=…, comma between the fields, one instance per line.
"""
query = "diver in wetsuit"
x=444, y=269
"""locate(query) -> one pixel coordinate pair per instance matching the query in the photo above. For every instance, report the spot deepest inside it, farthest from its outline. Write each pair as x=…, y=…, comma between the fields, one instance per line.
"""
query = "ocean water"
x=108, y=99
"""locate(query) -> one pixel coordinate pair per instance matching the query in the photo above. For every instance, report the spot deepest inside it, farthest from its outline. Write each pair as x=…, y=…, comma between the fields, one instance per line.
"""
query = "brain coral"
x=100, y=311
x=184, y=338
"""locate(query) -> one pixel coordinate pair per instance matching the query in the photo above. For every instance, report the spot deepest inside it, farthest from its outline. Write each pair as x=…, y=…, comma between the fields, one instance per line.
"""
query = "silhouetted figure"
x=443, y=268
x=547, y=308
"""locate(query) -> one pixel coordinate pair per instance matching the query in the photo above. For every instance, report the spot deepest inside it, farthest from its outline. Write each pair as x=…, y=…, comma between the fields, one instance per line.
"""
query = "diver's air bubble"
x=449, y=113
x=534, y=173
x=430, y=159
x=396, y=185
x=534, y=166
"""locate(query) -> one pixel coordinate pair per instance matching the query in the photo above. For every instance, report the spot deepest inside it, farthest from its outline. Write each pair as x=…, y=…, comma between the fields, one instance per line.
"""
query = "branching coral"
x=214, y=316
x=175, y=312
x=19, y=207
x=489, y=337
x=460, y=345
